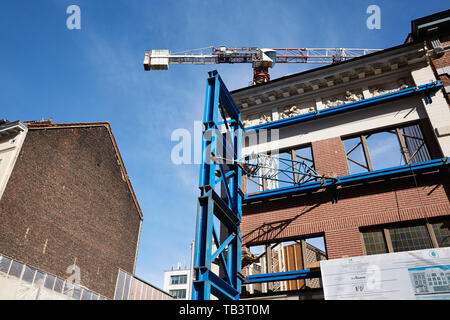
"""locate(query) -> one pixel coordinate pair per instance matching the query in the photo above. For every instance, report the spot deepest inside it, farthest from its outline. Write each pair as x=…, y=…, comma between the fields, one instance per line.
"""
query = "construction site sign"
x=409, y=275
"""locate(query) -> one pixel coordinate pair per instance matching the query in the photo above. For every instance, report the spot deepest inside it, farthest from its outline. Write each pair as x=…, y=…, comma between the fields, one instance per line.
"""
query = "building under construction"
x=345, y=160
x=378, y=128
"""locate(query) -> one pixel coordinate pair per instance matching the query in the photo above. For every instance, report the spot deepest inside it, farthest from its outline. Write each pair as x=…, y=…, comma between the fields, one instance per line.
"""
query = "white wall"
x=374, y=117
x=10, y=147
x=438, y=110
x=167, y=281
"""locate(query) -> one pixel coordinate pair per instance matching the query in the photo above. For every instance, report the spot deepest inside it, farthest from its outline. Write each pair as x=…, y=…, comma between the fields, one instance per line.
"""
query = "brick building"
x=65, y=199
x=377, y=125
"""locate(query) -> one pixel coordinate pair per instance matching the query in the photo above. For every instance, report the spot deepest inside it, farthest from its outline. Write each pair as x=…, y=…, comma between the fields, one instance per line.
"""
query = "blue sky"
x=96, y=74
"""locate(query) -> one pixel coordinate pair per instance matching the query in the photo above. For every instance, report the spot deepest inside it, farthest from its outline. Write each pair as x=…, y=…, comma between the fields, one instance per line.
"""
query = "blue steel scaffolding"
x=227, y=207
x=223, y=172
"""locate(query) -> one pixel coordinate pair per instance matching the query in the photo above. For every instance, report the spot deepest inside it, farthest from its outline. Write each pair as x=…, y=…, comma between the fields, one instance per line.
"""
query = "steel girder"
x=226, y=208
x=424, y=89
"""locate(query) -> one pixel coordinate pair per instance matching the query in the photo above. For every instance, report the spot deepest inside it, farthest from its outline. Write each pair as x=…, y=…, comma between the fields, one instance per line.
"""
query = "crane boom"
x=261, y=58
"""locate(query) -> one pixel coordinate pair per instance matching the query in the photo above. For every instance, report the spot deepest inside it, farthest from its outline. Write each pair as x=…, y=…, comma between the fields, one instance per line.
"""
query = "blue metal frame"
x=227, y=209
x=423, y=89
x=282, y=276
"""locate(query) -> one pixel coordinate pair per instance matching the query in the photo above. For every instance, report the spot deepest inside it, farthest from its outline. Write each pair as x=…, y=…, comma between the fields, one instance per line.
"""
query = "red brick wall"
x=358, y=206
x=330, y=157
x=67, y=188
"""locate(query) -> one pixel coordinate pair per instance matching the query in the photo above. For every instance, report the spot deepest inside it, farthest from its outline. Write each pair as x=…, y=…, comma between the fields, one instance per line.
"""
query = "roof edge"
x=326, y=66
x=107, y=125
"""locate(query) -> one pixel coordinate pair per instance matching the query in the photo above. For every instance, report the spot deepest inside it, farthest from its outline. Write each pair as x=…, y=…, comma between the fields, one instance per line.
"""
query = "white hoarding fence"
x=409, y=275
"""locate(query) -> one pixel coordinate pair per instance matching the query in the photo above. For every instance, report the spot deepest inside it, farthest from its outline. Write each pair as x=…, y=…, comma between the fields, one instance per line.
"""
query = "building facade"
x=66, y=202
x=178, y=283
x=378, y=128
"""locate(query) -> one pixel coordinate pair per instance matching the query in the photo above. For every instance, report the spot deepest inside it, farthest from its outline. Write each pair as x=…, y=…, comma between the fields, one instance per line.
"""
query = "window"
x=442, y=232
x=68, y=288
x=385, y=149
x=279, y=170
x=76, y=293
x=86, y=295
x=16, y=269
x=49, y=282
x=28, y=274
x=39, y=278
x=374, y=241
x=283, y=256
x=178, y=294
x=4, y=264
x=407, y=236
x=58, y=285
x=178, y=279
x=410, y=238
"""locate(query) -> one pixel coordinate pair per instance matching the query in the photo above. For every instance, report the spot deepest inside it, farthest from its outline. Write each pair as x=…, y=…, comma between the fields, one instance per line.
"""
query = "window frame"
x=172, y=291
x=428, y=223
x=179, y=278
x=401, y=138
x=263, y=184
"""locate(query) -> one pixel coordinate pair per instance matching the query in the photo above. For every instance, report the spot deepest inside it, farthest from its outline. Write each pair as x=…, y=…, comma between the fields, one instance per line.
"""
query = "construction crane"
x=261, y=58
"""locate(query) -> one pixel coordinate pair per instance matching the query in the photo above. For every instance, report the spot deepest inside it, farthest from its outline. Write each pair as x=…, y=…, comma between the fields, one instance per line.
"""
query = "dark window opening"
x=283, y=256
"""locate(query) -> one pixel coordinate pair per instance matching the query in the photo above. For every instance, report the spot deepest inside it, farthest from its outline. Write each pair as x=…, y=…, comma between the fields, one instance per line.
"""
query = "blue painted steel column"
x=238, y=196
x=211, y=205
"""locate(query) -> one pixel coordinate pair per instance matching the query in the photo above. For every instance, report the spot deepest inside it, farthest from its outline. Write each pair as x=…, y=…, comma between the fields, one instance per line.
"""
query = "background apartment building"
x=379, y=125
x=66, y=202
x=178, y=283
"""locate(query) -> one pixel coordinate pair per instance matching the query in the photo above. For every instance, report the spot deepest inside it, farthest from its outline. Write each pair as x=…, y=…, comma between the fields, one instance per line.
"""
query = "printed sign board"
x=409, y=275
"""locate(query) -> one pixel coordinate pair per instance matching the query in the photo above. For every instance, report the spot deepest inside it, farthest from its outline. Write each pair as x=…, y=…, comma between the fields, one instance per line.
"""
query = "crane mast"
x=261, y=58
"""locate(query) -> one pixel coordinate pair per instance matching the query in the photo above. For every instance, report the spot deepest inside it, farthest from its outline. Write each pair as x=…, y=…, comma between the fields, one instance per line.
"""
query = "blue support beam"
x=365, y=103
x=282, y=276
x=226, y=208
